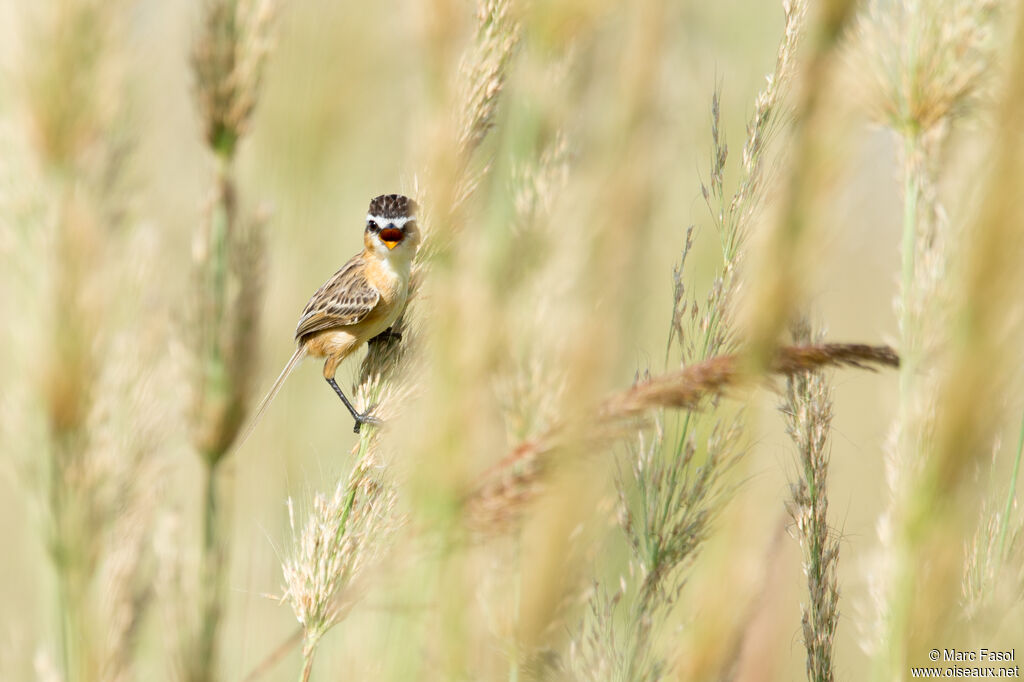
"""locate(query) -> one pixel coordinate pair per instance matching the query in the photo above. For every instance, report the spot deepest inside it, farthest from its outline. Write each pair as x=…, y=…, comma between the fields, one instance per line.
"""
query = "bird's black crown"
x=391, y=206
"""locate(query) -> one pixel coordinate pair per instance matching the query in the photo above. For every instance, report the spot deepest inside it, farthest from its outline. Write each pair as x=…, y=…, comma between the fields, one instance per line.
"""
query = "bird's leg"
x=360, y=418
x=387, y=335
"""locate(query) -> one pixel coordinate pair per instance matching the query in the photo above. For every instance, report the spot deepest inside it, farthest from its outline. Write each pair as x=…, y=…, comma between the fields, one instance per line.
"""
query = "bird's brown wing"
x=343, y=300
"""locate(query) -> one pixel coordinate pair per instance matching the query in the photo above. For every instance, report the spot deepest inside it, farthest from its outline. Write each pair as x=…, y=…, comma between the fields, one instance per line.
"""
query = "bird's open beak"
x=391, y=237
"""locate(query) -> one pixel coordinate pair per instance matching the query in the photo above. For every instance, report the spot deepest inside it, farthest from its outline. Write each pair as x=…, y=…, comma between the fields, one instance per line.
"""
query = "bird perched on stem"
x=362, y=300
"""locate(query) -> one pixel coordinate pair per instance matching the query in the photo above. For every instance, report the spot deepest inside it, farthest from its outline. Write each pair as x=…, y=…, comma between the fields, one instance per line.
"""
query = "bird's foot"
x=366, y=418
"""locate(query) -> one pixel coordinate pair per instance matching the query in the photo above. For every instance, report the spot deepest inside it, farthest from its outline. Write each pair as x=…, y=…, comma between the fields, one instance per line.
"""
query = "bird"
x=359, y=302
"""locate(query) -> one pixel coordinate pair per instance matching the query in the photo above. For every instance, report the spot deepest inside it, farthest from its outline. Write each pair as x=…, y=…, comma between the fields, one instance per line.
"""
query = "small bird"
x=362, y=300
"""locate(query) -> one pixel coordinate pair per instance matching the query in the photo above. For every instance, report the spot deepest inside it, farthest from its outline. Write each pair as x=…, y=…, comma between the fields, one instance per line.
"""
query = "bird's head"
x=391, y=228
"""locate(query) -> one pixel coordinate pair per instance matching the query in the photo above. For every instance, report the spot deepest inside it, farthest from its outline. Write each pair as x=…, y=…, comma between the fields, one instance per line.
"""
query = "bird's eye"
x=410, y=225
x=372, y=226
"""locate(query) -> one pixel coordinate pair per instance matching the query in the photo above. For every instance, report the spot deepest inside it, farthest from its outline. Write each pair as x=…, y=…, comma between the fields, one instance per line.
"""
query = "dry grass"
x=695, y=387
x=342, y=540
x=927, y=69
x=227, y=63
x=808, y=408
x=786, y=245
x=964, y=428
x=94, y=363
x=576, y=477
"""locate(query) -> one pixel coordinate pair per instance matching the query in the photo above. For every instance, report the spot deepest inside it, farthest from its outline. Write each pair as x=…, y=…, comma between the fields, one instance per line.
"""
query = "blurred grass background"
x=344, y=113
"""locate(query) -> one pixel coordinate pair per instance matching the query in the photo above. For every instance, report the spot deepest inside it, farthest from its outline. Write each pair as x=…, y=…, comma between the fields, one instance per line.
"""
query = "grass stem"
x=911, y=188
x=307, y=664
x=212, y=575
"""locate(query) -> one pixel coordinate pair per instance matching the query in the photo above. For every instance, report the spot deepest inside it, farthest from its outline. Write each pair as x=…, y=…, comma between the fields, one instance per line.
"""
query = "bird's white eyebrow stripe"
x=397, y=222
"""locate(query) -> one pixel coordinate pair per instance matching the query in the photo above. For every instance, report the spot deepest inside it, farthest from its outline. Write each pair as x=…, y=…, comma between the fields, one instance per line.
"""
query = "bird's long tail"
x=299, y=353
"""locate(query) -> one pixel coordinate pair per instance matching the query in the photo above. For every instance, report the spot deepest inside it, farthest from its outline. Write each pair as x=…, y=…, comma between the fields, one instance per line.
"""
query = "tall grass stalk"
x=943, y=501
x=808, y=410
x=227, y=62
x=672, y=490
x=926, y=66
x=73, y=83
x=778, y=270
x=611, y=215
x=343, y=538
x=97, y=340
x=911, y=152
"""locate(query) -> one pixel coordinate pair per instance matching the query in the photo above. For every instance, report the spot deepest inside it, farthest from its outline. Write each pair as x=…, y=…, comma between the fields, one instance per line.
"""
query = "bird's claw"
x=366, y=418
